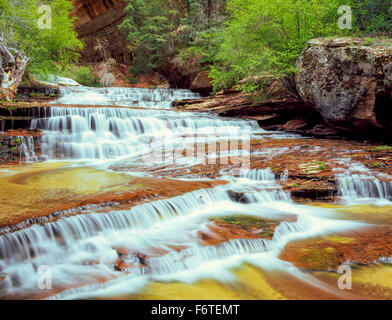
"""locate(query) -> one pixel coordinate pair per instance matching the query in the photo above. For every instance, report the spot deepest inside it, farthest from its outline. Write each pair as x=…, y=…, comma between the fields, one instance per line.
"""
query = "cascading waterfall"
x=363, y=186
x=83, y=247
x=355, y=187
x=109, y=133
x=27, y=147
x=263, y=182
x=69, y=243
x=127, y=97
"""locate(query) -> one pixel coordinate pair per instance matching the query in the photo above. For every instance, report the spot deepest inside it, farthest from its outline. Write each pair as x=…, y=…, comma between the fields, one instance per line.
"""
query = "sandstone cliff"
x=98, y=21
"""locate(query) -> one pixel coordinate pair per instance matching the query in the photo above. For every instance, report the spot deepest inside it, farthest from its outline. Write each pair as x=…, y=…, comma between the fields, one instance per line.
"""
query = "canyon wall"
x=97, y=23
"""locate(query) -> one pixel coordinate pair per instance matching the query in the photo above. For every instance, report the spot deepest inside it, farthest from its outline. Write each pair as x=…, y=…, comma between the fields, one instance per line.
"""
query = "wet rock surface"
x=363, y=247
x=280, y=111
x=14, y=145
x=131, y=218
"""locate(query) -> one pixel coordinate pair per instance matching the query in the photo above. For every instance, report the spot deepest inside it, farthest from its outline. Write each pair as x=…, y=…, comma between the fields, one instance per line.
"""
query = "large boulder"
x=349, y=82
x=202, y=83
x=185, y=71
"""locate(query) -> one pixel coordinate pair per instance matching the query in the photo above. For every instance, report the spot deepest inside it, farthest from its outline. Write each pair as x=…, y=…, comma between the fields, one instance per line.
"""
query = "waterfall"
x=362, y=187
x=258, y=174
x=121, y=125
x=109, y=133
x=263, y=182
x=359, y=184
x=27, y=148
x=127, y=97
x=67, y=243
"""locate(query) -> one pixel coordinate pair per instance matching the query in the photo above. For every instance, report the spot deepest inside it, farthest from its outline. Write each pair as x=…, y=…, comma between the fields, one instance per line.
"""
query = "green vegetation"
x=81, y=74
x=231, y=39
x=381, y=149
x=265, y=227
x=266, y=37
x=48, y=49
x=159, y=29
x=376, y=165
x=237, y=39
x=322, y=165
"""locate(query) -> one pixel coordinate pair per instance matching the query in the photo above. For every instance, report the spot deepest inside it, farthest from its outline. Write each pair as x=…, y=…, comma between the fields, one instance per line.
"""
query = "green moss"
x=249, y=222
x=376, y=165
x=322, y=165
x=320, y=259
x=381, y=149
x=37, y=94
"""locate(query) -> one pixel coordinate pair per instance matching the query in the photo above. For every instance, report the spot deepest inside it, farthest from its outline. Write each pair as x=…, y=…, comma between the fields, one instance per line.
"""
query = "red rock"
x=295, y=124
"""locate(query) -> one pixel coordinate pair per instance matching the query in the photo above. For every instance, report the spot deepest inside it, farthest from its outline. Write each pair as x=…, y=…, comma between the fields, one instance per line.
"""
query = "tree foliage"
x=242, y=38
x=372, y=17
x=159, y=29
x=267, y=36
x=47, y=49
x=150, y=27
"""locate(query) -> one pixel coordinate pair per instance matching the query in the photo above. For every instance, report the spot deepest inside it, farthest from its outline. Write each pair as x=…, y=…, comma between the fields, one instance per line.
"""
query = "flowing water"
x=115, y=130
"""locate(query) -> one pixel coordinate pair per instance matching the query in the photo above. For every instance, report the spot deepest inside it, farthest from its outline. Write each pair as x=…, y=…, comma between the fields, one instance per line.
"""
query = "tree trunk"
x=12, y=68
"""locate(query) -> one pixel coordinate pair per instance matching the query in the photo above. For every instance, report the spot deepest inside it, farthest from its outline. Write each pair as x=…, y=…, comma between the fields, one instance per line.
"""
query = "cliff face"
x=98, y=22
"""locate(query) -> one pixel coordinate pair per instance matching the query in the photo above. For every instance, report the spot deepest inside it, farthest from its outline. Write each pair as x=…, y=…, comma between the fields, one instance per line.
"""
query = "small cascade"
x=358, y=184
x=27, y=148
x=31, y=242
x=126, y=97
x=264, y=187
x=363, y=187
x=258, y=174
x=56, y=80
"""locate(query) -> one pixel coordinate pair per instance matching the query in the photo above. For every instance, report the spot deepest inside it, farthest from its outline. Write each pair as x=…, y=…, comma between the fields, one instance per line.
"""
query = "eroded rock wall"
x=98, y=21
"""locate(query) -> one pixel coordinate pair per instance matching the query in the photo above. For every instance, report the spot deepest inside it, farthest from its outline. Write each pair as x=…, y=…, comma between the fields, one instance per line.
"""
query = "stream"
x=130, y=198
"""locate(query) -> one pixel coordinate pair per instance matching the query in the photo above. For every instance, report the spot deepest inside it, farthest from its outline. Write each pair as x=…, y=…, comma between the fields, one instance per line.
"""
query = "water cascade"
x=119, y=125
x=358, y=184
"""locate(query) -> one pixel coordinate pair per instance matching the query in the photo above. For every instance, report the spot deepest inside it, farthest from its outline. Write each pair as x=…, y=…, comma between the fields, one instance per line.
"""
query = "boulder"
x=185, y=72
x=349, y=82
x=202, y=83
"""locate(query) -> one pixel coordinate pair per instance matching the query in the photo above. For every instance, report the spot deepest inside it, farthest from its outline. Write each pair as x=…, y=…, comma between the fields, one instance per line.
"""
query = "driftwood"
x=12, y=67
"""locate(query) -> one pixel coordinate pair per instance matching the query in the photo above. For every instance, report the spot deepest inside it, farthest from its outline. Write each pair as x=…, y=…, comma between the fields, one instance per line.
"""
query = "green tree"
x=47, y=49
x=150, y=27
x=266, y=36
x=372, y=17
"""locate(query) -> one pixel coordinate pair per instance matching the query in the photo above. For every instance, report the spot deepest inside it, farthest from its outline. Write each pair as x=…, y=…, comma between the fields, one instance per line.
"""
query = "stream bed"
x=129, y=198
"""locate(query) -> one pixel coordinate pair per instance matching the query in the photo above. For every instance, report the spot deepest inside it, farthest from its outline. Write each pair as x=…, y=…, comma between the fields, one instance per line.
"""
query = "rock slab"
x=349, y=82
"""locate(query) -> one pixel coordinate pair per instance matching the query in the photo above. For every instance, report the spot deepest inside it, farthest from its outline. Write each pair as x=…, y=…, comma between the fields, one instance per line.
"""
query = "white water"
x=69, y=243
x=81, y=248
x=27, y=144
x=56, y=80
x=359, y=185
x=127, y=97
x=110, y=133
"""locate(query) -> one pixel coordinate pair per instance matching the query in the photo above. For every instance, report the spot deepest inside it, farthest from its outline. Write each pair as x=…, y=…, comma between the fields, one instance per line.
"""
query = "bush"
x=86, y=77
x=81, y=74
